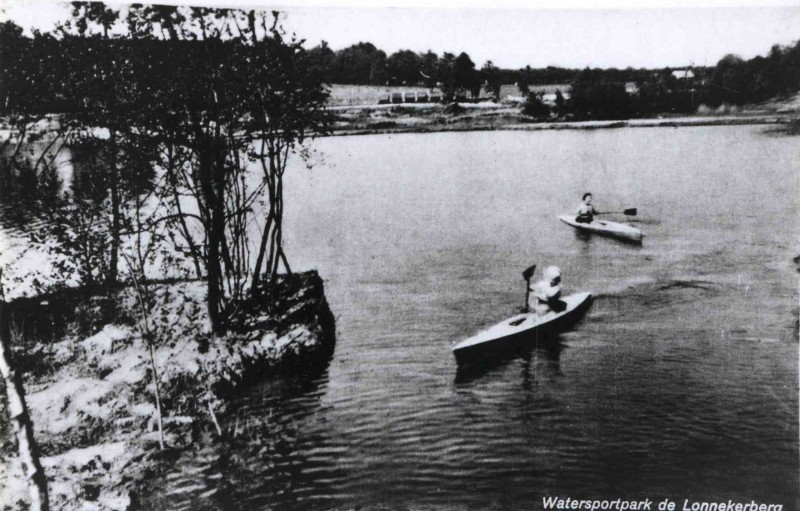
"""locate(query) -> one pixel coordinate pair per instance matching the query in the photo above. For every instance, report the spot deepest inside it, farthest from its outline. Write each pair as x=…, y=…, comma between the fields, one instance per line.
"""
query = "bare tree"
x=243, y=95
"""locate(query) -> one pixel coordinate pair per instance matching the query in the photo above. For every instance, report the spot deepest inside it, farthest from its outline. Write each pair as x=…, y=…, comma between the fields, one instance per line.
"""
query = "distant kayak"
x=520, y=330
x=605, y=228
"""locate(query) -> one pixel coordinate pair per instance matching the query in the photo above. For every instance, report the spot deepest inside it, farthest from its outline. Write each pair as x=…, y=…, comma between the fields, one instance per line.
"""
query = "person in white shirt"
x=545, y=295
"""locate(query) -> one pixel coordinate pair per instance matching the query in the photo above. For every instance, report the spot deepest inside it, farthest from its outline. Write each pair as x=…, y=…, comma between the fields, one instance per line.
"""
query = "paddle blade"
x=631, y=212
x=528, y=273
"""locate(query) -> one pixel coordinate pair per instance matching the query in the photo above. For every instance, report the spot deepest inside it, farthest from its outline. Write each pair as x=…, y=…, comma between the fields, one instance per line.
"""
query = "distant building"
x=511, y=94
x=683, y=74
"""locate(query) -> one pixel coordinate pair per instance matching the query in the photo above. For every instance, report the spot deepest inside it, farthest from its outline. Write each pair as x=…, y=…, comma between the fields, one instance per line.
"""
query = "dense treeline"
x=737, y=81
x=613, y=93
x=365, y=64
x=594, y=93
x=732, y=81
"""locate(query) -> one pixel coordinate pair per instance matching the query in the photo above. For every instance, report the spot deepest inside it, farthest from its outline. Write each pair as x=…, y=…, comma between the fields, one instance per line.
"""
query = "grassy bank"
x=425, y=118
x=91, y=391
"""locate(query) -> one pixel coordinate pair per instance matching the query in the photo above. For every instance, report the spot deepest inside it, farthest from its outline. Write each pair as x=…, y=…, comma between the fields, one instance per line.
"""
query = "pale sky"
x=513, y=35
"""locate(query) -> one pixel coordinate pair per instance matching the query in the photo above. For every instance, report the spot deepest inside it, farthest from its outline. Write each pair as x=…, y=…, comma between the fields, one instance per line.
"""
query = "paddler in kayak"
x=545, y=295
x=586, y=211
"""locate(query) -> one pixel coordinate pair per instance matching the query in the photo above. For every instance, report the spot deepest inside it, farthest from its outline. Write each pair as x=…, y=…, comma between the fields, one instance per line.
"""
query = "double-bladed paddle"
x=629, y=212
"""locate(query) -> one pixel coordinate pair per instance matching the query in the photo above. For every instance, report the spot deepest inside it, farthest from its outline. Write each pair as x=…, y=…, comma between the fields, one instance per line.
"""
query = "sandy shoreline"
x=485, y=123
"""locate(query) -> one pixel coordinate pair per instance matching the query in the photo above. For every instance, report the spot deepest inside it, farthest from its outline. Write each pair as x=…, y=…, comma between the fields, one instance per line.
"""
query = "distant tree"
x=728, y=81
x=524, y=79
x=790, y=66
x=465, y=76
x=29, y=90
x=654, y=92
x=321, y=59
x=445, y=73
x=491, y=77
x=360, y=63
x=595, y=95
x=777, y=74
x=535, y=106
x=403, y=67
x=429, y=68
x=100, y=74
x=378, y=75
x=560, y=102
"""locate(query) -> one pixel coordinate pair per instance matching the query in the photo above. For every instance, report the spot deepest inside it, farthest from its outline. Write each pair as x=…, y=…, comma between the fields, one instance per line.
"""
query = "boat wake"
x=626, y=286
x=649, y=286
x=643, y=221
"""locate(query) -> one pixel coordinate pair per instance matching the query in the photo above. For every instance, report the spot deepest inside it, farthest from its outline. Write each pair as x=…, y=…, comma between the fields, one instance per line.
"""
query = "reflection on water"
x=270, y=442
x=541, y=358
x=681, y=382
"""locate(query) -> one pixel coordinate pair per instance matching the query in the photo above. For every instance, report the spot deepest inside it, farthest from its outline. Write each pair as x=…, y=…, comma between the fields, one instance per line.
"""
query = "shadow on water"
x=588, y=237
x=268, y=456
x=548, y=350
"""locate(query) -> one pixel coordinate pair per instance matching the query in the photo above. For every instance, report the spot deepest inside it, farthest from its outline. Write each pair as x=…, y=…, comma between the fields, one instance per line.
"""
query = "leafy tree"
x=403, y=68
x=321, y=59
x=99, y=81
x=360, y=63
x=535, y=107
x=492, y=79
x=597, y=94
x=737, y=81
x=728, y=81
x=465, y=76
x=27, y=93
x=524, y=81
x=560, y=102
x=232, y=92
x=210, y=98
x=445, y=73
x=377, y=71
x=429, y=68
x=76, y=234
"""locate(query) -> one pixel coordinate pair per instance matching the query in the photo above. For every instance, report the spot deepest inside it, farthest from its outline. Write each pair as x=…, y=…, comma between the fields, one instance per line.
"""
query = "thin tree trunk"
x=113, y=265
x=193, y=249
x=148, y=337
x=278, y=232
x=214, y=418
x=285, y=263
x=262, y=249
x=158, y=391
x=23, y=427
x=217, y=246
x=265, y=236
x=213, y=268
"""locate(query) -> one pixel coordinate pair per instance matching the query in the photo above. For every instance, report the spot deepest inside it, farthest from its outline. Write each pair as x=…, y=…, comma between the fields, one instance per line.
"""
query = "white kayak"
x=605, y=228
x=521, y=330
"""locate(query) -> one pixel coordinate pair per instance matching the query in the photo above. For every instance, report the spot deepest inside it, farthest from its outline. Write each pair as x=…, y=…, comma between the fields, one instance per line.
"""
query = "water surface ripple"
x=681, y=382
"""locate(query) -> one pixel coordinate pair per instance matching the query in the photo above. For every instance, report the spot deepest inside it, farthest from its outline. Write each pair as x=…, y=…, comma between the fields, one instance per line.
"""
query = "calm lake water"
x=681, y=382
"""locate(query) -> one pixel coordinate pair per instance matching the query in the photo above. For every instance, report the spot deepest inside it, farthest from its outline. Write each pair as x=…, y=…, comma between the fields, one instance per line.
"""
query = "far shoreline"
x=461, y=125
